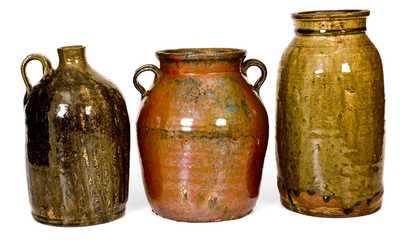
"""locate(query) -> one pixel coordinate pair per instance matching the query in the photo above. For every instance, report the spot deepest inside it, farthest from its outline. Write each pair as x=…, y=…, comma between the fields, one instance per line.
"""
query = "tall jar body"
x=77, y=144
x=202, y=135
x=330, y=118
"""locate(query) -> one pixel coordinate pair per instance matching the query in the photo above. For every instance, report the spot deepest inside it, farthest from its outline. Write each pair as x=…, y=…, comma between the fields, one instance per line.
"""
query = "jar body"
x=202, y=138
x=330, y=125
x=77, y=148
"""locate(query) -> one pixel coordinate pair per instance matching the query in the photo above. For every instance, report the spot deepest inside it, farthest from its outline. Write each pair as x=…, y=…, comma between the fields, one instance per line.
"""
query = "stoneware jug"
x=330, y=117
x=77, y=143
x=202, y=134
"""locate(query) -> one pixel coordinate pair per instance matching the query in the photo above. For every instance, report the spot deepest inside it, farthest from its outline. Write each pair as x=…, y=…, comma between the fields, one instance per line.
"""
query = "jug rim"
x=71, y=47
x=331, y=14
x=201, y=53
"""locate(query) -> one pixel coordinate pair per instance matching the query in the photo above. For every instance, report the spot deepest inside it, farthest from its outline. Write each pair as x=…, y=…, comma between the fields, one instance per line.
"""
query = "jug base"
x=330, y=212
x=81, y=222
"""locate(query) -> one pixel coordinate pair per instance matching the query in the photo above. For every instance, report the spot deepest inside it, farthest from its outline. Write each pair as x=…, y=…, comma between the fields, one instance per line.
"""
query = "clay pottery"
x=330, y=117
x=202, y=133
x=77, y=143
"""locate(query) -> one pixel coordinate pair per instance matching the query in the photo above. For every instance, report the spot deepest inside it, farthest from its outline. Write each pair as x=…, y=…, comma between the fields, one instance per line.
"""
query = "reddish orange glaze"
x=202, y=134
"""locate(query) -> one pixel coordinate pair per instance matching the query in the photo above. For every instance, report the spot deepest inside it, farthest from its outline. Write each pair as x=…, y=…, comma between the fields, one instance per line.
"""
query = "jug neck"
x=330, y=22
x=72, y=56
x=201, y=60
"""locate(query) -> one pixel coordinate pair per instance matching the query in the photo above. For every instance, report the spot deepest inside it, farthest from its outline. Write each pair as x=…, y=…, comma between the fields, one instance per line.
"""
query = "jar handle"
x=144, y=68
x=256, y=63
x=46, y=64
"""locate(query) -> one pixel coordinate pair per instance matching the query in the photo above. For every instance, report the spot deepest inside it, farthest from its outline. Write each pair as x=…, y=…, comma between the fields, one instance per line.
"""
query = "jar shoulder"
x=206, y=99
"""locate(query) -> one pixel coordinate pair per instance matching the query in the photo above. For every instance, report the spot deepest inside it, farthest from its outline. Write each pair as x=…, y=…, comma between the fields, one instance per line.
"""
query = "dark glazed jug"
x=77, y=143
x=202, y=134
x=330, y=117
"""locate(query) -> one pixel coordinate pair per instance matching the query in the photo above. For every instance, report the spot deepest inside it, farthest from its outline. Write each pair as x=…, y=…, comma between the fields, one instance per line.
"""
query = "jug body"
x=77, y=144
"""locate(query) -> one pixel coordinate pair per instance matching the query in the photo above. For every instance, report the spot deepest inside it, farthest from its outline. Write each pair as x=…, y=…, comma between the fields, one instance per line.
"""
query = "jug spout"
x=73, y=56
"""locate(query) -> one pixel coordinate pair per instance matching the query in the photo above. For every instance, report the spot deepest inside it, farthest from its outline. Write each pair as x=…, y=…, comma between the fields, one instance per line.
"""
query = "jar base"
x=201, y=219
x=329, y=212
x=81, y=222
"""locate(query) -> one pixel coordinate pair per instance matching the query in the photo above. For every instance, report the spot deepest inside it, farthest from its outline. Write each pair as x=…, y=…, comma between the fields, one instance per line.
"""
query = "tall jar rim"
x=331, y=14
x=201, y=54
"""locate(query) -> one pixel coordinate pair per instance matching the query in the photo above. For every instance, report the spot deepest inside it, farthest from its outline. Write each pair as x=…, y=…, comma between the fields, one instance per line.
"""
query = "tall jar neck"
x=72, y=56
x=330, y=22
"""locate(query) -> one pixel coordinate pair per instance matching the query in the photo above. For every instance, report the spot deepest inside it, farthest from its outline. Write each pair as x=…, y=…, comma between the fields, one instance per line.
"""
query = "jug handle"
x=255, y=63
x=46, y=65
x=144, y=68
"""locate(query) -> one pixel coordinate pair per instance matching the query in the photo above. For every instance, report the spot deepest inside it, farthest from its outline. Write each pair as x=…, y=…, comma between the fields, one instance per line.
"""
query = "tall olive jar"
x=202, y=134
x=77, y=143
x=330, y=117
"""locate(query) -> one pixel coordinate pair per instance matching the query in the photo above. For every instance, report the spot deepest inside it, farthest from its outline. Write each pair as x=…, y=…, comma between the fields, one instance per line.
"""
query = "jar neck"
x=201, y=60
x=72, y=56
x=200, y=66
x=339, y=22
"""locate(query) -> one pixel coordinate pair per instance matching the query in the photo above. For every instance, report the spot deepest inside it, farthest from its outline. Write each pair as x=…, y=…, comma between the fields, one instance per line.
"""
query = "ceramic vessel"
x=77, y=143
x=202, y=134
x=330, y=117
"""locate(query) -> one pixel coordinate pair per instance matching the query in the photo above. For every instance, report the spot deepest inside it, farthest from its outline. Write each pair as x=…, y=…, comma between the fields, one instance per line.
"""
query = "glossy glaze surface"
x=202, y=134
x=330, y=117
x=77, y=143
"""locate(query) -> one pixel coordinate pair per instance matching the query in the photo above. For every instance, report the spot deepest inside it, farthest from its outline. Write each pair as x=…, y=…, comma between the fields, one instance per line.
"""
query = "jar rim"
x=331, y=14
x=201, y=53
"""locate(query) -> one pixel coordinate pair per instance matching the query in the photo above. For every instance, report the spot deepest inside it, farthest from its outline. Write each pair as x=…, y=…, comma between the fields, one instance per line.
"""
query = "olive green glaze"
x=77, y=143
x=202, y=134
x=330, y=117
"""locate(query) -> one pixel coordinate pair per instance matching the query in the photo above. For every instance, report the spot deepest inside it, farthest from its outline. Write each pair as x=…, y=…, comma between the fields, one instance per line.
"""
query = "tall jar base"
x=331, y=211
x=99, y=219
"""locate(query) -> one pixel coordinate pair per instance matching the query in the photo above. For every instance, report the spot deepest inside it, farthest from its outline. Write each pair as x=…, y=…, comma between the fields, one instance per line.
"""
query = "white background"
x=120, y=36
